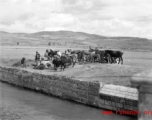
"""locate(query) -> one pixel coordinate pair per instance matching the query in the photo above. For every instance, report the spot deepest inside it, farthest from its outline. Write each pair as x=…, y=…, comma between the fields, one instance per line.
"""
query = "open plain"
x=117, y=74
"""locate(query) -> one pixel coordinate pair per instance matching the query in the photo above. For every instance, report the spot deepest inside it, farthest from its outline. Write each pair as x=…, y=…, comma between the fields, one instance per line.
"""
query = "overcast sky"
x=104, y=17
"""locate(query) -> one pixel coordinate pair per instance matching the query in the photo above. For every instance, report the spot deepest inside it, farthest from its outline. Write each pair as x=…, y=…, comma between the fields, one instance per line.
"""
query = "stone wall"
x=61, y=86
x=96, y=94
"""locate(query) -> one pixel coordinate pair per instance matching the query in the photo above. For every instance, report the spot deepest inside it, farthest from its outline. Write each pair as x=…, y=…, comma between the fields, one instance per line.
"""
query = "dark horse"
x=114, y=54
x=63, y=61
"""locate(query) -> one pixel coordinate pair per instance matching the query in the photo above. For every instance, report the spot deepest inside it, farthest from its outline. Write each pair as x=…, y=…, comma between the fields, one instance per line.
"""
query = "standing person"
x=37, y=58
x=23, y=62
x=46, y=55
x=90, y=48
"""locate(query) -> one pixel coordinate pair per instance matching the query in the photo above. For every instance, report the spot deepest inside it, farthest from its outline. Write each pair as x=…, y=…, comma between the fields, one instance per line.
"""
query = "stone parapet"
x=143, y=81
x=111, y=97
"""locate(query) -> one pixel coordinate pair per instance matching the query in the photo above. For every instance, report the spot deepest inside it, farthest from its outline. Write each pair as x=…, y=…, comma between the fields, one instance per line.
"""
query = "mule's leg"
x=109, y=59
x=91, y=59
x=121, y=60
x=114, y=60
x=74, y=61
x=99, y=59
x=55, y=68
x=64, y=67
x=61, y=68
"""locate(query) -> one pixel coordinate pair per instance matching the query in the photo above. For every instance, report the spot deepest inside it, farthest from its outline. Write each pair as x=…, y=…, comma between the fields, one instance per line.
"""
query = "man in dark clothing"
x=23, y=62
x=37, y=58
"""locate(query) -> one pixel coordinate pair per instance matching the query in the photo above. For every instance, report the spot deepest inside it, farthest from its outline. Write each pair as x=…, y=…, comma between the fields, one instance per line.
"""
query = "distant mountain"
x=75, y=39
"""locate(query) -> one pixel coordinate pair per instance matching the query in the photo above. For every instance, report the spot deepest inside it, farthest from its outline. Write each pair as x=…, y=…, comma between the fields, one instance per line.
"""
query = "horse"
x=114, y=54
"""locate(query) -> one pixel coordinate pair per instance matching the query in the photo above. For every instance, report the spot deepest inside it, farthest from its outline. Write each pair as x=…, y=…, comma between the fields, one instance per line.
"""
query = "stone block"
x=135, y=95
x=134, y=98
x=53, y=90
x=80, y=87
x=101, y=101
x=119, y=105
x=102, y=96
x=83, y=100
x=90, y=97
x=135, y=103
x=132, y=90
x=94, y=93
x=122, y=100
x=123, y=88
x=113, y=104
x=94, y=86
x=107, y=97
x=131, y=102
x=120, y=95
x=113, y=98
x=75, y=86
x=107, y=102
x=90, y=102
x=104, y=92
x=106, y=106
x=128, y=107
x=114, y=108
x=112, y=94
x=123, y=93
x=128, y=97
x=83, y=95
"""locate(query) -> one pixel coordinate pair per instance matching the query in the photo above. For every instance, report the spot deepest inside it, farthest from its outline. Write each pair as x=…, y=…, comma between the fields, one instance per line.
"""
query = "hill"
x=74, y=39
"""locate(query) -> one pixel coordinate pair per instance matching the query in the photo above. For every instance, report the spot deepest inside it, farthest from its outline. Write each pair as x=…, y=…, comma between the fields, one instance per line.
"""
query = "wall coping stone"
x=119, y=91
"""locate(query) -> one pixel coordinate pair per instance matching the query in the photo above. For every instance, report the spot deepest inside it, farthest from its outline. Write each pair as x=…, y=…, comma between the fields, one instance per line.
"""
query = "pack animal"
x=114, y=54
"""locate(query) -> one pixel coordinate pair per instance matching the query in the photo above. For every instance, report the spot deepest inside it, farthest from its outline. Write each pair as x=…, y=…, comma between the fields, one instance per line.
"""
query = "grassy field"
x=134, y=62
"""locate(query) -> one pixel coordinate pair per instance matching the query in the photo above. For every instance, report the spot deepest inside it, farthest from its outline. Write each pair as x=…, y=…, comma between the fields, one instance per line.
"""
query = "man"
x=46, y=55
x=37, y=58
x=23, y=62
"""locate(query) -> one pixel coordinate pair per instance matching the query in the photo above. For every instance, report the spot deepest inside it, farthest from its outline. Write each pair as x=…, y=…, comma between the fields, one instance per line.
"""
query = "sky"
x=103, y=17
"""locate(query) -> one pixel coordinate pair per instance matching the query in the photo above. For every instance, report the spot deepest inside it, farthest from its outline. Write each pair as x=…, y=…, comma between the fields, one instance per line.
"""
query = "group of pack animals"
x=70, y=57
